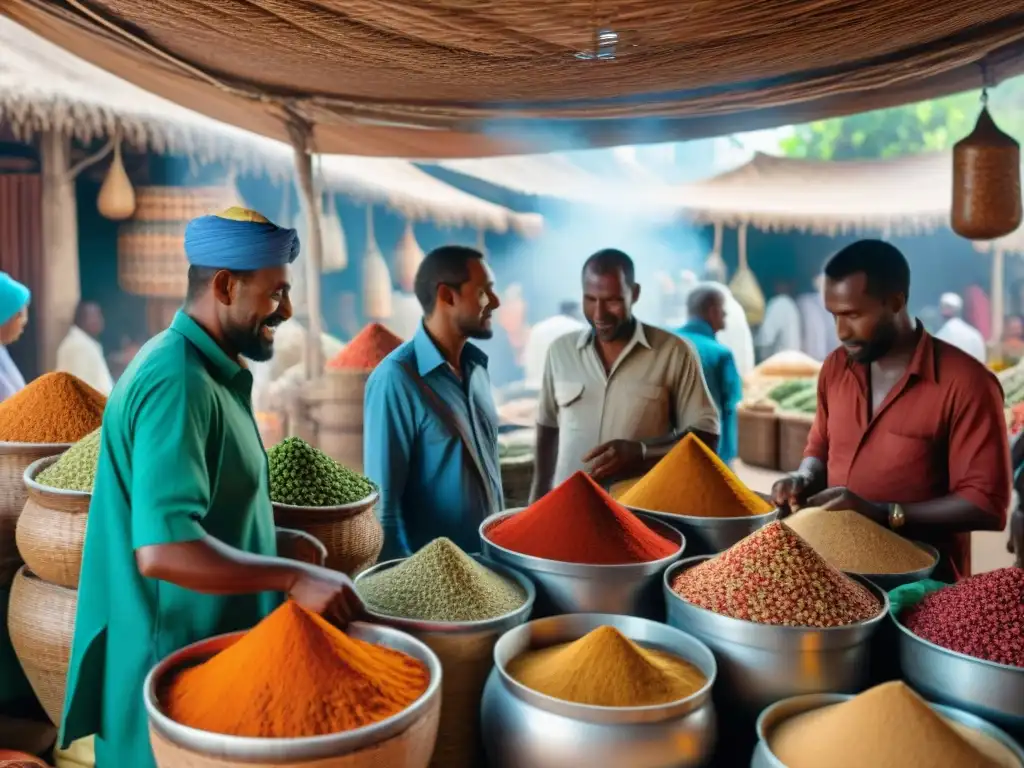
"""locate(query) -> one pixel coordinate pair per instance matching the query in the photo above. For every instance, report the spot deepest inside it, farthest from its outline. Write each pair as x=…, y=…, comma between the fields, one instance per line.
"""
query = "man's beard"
x=251, y=344
x=620, y=331
x=475, y=329
x=875, y=348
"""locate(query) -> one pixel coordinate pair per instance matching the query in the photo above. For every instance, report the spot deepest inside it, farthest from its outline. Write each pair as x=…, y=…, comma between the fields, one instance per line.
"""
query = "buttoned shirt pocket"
x=646, y=407
x=570, y=400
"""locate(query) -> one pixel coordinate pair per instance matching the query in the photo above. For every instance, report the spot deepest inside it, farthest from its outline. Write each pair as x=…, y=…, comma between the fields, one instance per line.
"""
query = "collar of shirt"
x=224, y=367
x=639, y=337
x=429, y=357
x=922, y=362
x=700, y=327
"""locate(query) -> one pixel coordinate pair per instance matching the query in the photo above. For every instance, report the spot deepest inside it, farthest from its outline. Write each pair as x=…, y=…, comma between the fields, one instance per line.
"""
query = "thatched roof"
x=449, y=79
x=43, y=87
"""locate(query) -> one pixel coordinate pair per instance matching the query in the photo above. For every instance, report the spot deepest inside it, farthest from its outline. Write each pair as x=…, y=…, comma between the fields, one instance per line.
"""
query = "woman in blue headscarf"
x=14, y=300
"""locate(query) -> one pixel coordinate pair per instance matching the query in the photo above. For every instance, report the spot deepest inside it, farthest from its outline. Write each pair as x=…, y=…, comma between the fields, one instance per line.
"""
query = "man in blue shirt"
x=430, y=426
x=705, y=306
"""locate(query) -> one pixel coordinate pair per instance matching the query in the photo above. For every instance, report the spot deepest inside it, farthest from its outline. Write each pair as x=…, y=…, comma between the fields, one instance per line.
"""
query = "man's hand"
x=790, y=492
x=615, y=458
x=842, y=499
x=329, y=593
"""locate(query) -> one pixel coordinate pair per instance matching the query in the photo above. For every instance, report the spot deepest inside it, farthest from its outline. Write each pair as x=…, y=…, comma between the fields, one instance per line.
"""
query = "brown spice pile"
x=888, y=726
x=774, y=577
x=55, y=408
x=852, y=543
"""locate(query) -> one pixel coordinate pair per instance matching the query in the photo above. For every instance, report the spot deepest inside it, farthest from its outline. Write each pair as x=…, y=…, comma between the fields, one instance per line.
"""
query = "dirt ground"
x=988, y=550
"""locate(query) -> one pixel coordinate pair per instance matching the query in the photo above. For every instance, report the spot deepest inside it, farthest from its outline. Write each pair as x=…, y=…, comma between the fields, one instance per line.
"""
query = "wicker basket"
x=51, y=529
x=352, y=533
x=516, y=479
x=758, y=438
x=794, y=429
x=180, y=203
x=41, y=620
x=14, y=459
x=151, y=259
x=334, y=404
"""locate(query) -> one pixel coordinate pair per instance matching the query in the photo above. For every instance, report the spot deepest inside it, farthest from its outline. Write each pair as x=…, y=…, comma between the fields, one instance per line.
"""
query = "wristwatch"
x=643, y=451
x=897, y=517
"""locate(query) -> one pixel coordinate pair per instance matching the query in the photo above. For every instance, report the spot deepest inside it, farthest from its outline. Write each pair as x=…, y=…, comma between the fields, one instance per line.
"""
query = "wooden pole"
x=300, y=133
x=998, y=293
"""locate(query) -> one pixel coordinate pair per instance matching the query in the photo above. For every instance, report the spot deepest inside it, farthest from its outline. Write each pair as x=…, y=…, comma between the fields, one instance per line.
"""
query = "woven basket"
x=51, y=529
x=794, y=430
x=352, y=533
x=14, y=459
x=151, y=259
x=516, y=479
x=758, y=438
x=334, y=404
x=41, y=620
x=180, y=203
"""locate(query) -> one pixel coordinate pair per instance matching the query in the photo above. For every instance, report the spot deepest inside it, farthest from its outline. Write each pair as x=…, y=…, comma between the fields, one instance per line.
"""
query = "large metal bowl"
x=631, y=590
x=711, y=535
x=759, y=664
x=889, y=581
x=526, y=729
x=987, y=689
x=779, y=712
x=256, y=750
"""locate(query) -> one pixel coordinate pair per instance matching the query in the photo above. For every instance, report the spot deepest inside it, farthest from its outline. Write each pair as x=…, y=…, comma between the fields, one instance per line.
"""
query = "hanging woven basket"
x=986, y=182
x=116, y=200
x=377, y=286
x=744, y=285
x=334, y=251
x=408, y=257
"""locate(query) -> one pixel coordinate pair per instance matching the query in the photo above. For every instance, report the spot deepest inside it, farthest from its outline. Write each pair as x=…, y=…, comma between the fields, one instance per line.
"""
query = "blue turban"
x=239, y=239
x=13, y=296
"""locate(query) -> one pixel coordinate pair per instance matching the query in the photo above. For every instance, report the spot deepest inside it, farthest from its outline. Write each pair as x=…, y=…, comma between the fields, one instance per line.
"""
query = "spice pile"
x=441, y=583
x=304, y=476
x=888, y=726
x=852, y=543
x=982, y=616
x=292, y=675
x=692, y=480
x=606, y=669
x=75, y=470
x=366, y=350
x=578, y=522
x=55, y=408
x=774, y=577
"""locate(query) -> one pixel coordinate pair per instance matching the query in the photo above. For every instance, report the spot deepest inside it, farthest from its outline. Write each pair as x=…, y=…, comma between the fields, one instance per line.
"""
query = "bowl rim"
x=597, y=713
x=922, y=545
x=303, y=748
x=996, y=665
x=688, y=562
x=454, y=627
x=564, y=568
x=698, y=521
x=8, y=446
x=352, y=506
x=37, y=466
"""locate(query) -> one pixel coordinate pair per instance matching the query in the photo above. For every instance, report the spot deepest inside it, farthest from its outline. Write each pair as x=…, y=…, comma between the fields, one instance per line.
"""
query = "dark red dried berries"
x=982, y=616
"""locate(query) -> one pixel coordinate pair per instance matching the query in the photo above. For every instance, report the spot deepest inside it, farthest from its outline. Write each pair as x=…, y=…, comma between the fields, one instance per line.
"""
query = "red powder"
x=367, y=349
x=578, y=522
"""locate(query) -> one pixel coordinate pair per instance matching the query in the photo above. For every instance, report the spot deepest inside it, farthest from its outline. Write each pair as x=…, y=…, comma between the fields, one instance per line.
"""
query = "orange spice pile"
x=55, y=408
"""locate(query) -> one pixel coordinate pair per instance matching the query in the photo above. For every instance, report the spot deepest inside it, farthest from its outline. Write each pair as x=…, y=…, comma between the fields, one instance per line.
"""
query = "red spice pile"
x=578, y=522
x=774, y=577
x=366, y=350
x=982, y=616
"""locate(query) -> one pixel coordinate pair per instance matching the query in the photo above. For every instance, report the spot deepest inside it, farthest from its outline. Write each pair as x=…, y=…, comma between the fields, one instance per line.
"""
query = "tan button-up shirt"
x=656, y=386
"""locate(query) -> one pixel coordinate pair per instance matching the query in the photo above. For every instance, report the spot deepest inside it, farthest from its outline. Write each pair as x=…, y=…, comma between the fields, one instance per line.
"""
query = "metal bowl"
x=889, y=581
x=781, y=711
x=630, y=589
x=759, y=664
x=526, y=729
x=987, y=689
x=711, y=535
x=256, y=750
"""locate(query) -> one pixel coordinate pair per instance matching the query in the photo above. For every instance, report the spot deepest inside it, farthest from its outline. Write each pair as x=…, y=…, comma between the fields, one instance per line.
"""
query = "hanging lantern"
x=376, y=278
x=408, y=258
x=744, y=285
x=116, y=200
x=332, y=237
x=986, y=181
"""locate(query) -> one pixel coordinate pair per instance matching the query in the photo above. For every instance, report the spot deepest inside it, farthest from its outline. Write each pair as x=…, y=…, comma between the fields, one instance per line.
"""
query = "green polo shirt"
x=180, y=458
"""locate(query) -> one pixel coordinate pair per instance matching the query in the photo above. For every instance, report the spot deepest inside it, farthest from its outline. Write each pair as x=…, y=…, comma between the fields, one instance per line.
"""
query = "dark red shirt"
x=940, y=431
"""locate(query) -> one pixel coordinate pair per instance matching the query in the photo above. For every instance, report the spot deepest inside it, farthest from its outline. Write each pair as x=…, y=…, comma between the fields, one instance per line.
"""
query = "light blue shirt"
x=11, y=380
x=723, y=382
x=429, y=485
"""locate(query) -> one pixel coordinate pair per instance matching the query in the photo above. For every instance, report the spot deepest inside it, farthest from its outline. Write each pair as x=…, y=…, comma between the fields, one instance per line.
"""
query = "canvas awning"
x=449, y=79
x=43, y=87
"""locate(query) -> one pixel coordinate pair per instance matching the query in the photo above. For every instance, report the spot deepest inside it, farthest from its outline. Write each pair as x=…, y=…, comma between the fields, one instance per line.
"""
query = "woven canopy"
x=448, y=78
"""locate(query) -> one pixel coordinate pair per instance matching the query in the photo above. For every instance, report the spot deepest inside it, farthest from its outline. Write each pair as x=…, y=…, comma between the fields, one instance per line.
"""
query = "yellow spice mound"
x=692, y=480
x=888, y=726
x=606, y=669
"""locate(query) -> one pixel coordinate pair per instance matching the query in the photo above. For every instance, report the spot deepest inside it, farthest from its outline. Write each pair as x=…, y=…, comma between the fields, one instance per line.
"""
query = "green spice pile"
x=775, y=577
x=75, y=470
x=441, y=583
x=303, y=476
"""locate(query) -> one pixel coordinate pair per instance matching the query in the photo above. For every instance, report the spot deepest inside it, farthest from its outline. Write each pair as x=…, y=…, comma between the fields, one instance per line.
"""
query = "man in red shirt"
x=909, y=430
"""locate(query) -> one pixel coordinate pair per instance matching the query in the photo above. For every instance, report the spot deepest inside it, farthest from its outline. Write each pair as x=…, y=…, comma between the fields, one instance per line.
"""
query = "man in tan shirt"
x=617, y=396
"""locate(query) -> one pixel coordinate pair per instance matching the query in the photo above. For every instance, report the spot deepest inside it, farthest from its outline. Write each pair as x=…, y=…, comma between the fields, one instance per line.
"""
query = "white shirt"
x=964, y=336
x=542, y=336
x=780, y=331
x=736, y=335
x=286, y=369
x=819, y=327
x=81, y=355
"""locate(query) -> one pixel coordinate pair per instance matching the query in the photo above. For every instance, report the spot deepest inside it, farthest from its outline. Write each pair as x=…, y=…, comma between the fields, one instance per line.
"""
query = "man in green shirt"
x=181, y=544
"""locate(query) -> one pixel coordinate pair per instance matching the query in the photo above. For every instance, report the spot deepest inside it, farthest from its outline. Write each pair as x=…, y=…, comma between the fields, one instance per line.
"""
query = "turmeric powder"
x=692, y=480
x=604, y=668
x=294, y=675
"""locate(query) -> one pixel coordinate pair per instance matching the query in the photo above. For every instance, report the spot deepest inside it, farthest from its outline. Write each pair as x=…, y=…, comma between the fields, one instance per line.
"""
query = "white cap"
x=951, y=301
